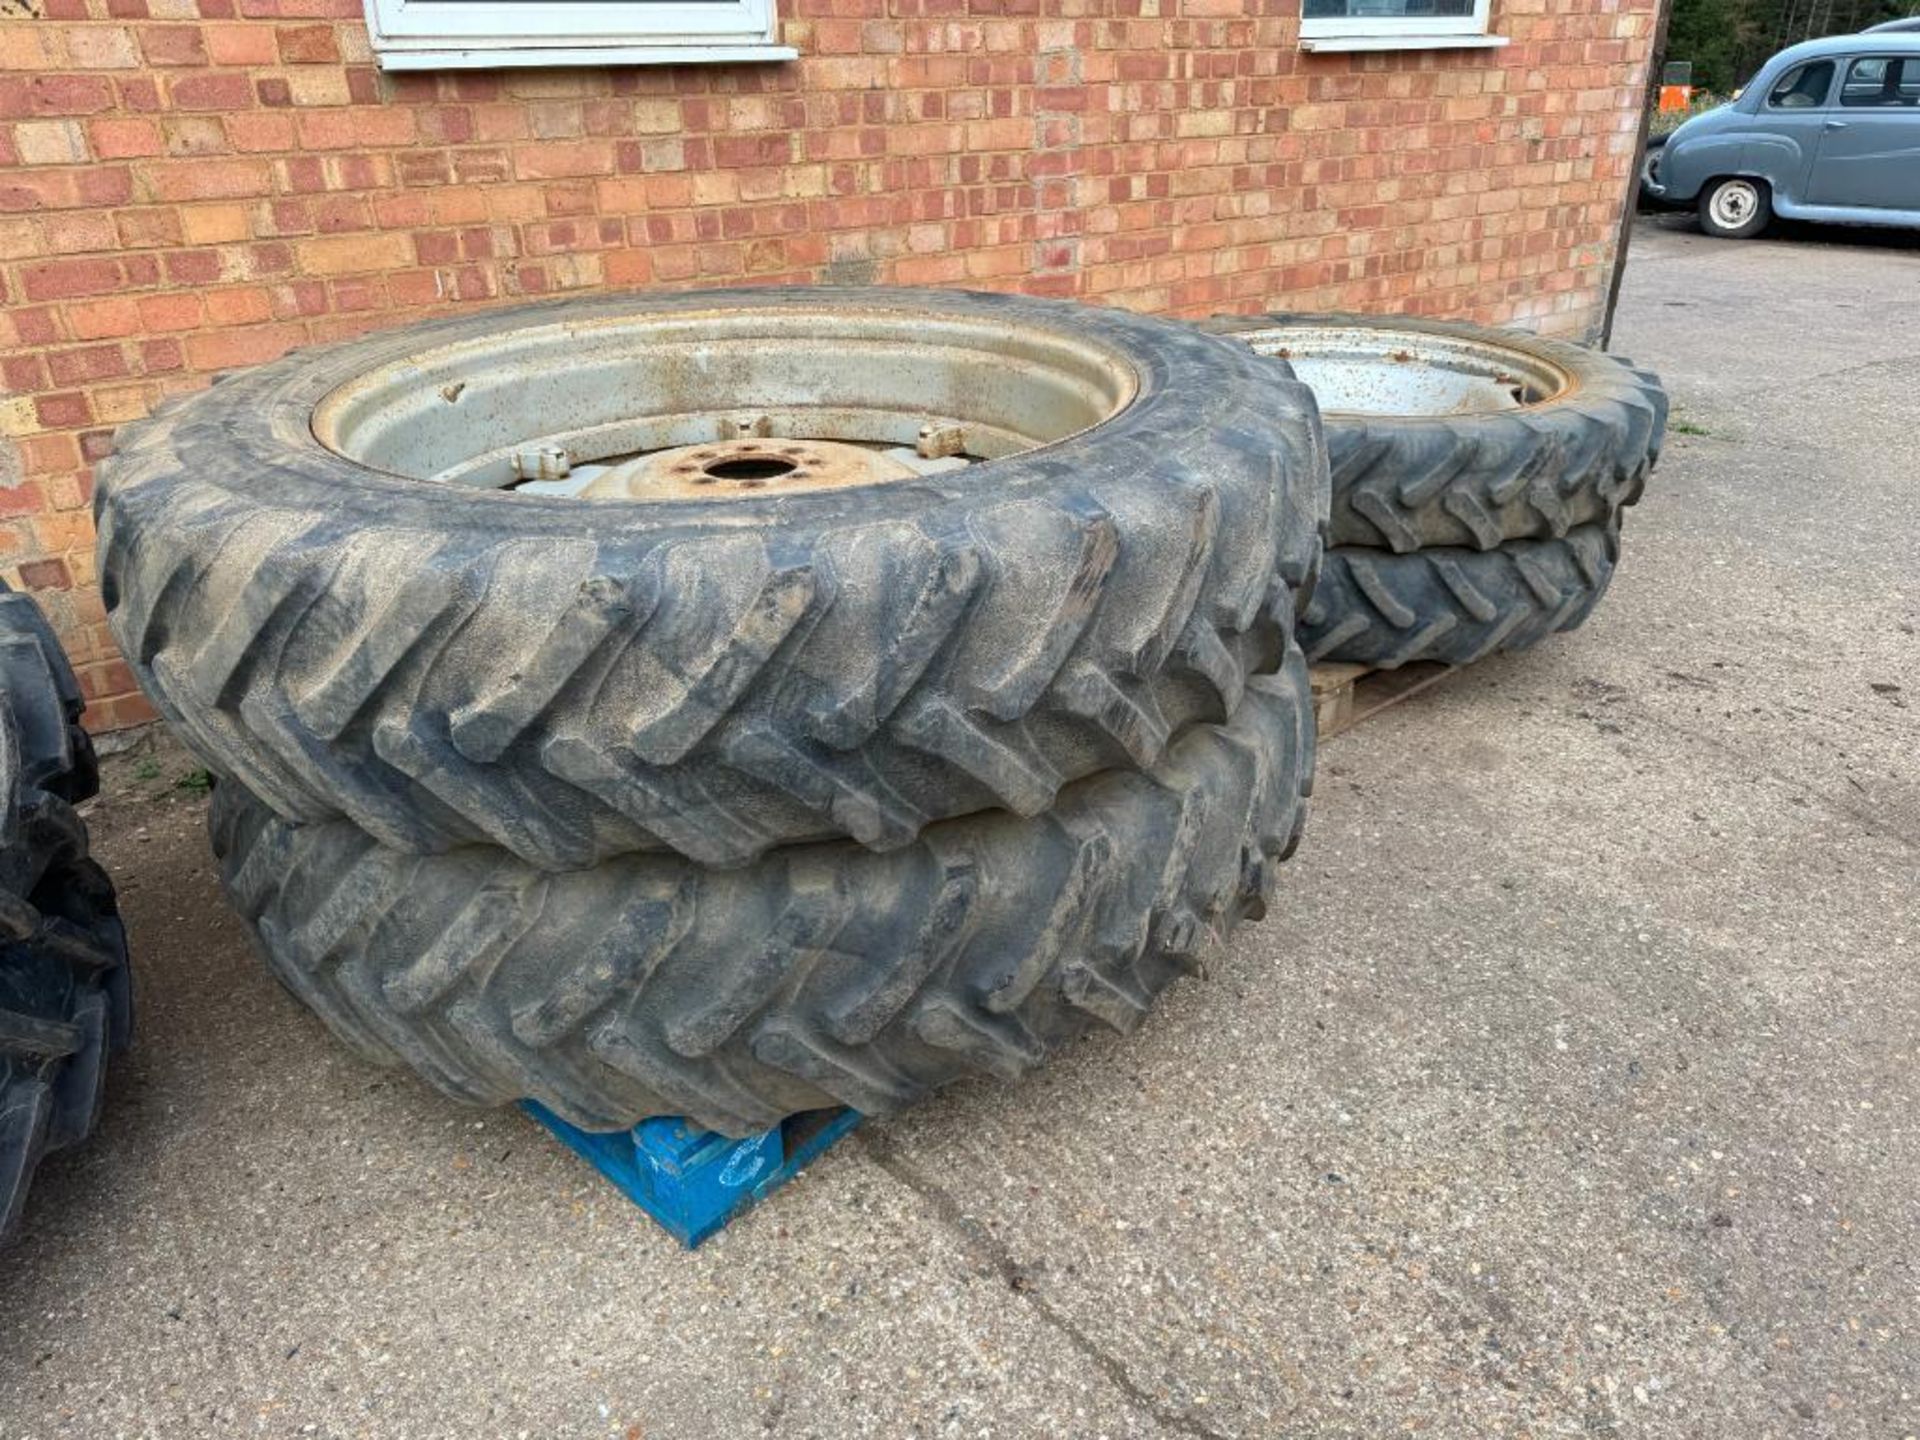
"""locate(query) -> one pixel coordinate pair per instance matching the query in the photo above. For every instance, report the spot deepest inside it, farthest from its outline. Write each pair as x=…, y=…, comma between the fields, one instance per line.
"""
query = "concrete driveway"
x=1572, y=1088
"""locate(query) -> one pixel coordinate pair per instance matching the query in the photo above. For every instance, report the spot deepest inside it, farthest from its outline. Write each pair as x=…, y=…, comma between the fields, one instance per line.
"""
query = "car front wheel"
x=1735, y=208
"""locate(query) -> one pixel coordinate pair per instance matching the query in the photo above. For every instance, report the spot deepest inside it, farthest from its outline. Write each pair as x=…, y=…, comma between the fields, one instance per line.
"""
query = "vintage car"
x=1827, y=131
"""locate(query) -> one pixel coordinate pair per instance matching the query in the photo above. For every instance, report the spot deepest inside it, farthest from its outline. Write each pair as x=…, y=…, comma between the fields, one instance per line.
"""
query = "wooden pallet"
x=1344, y=695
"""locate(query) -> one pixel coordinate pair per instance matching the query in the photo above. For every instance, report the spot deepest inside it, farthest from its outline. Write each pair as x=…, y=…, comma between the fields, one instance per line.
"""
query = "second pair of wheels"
x=1479, y=480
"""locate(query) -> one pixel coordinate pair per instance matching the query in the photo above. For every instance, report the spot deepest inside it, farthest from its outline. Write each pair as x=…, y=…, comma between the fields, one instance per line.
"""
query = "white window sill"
x=482, y=58
x=1411, y=41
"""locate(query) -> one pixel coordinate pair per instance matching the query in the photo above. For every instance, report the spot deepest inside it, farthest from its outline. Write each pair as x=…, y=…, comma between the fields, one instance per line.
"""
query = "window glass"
x=1882, y=80
x=1803, y=87
x=1385, y=9
x=437, y=34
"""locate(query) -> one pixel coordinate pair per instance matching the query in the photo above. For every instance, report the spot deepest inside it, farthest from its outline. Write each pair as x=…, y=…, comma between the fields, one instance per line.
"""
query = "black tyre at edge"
x=65, y=998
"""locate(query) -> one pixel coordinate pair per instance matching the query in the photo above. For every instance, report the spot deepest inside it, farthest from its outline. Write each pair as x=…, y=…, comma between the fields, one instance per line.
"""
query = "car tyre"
x=1735, y=207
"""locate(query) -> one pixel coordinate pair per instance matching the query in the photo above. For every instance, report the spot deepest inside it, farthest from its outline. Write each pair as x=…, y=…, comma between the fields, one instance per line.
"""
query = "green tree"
x=1727, y=40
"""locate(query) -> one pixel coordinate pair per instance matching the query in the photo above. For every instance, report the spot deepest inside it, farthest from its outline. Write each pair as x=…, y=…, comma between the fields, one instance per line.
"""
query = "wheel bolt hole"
x=750, y=469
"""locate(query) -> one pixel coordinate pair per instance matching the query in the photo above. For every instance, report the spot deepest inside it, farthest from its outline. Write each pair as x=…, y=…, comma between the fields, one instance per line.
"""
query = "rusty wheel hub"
x=696, y=472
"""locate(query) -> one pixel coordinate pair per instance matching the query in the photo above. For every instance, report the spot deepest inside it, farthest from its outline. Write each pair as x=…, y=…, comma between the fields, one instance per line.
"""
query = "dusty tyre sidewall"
x=254, y=578
x=1406, y=483
x=822, y=975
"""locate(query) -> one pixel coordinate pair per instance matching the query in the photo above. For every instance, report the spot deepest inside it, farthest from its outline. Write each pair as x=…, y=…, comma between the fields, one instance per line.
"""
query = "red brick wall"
x=189, y=185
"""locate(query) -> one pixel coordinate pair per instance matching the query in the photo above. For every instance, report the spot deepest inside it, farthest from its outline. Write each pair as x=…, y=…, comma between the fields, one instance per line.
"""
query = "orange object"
x=1675, y=97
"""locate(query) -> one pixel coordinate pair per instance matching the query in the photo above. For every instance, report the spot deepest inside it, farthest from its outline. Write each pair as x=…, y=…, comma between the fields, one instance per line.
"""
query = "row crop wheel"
x=1479, y=480
x=733, y=703
x=711, y=573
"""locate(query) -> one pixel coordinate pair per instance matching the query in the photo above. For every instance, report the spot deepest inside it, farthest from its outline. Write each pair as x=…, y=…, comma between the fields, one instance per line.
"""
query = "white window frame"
x=487, y=34
x=1401, y=32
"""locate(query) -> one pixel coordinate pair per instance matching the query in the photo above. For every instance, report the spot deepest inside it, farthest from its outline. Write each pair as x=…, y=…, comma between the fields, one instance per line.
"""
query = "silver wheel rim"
x=711, y=404
x=1734, y=204
x=1381, y=370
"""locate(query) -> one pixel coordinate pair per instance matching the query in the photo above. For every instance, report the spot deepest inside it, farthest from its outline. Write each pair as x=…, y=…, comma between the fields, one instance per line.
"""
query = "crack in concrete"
x=1821, y=377
x=880, y=1149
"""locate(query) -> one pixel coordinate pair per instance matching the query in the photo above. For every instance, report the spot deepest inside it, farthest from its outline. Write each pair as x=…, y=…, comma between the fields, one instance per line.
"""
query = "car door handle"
x=1836, y=124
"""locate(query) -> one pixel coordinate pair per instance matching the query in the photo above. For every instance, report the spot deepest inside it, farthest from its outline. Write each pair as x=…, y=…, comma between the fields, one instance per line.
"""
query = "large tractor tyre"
x=65, y=1002
x=1455, y=605
x=820, y=975
x=504, y=580
x=1444, y=434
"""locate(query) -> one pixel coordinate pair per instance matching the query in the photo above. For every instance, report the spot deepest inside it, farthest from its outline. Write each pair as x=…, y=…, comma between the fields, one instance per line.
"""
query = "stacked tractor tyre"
x=738, y=703
x=734, y=703
x=1479, y=479
x=65, y=1001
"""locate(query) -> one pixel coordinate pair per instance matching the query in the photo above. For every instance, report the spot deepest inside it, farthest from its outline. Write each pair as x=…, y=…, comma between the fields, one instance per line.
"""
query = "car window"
x=1802, y=87
x=1882, y=80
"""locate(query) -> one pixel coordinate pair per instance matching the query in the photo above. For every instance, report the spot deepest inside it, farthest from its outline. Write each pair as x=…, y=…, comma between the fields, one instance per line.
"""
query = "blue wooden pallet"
x=696, y=1182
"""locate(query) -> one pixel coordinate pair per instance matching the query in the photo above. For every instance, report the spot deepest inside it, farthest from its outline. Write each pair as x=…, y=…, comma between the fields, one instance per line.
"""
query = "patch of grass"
x=1687, y=427
x=196, y=782
x=147, y=770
